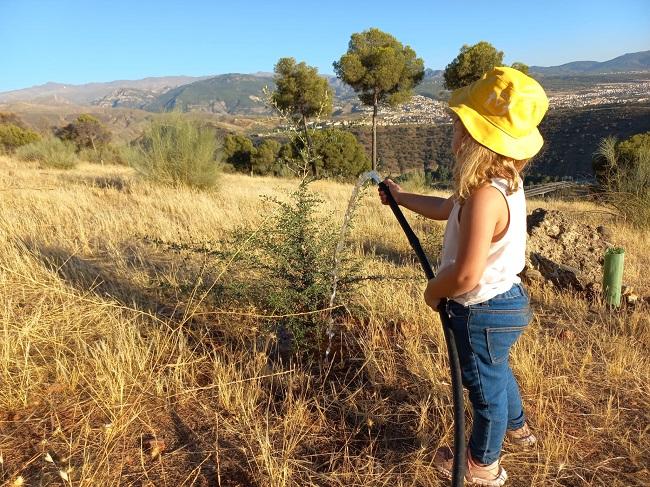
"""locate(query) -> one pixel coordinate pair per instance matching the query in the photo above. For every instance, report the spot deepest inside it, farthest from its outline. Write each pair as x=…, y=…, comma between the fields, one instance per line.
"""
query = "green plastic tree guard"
x=613, y=276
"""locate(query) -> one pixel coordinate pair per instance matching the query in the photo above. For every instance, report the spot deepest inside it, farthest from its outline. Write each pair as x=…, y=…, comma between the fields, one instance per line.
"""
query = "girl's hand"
x=431, y=301
x=395, y=190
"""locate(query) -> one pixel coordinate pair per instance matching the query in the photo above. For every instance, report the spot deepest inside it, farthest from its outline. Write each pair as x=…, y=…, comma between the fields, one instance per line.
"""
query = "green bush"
x=13, y=136
x=623, y=172
x=49, y=152
x=415, y=181
x=337, y=153
x=238, y=151
x=86, y=132
x=174, y=150
x=334, y=153
x=291, y=261
x=266, y=158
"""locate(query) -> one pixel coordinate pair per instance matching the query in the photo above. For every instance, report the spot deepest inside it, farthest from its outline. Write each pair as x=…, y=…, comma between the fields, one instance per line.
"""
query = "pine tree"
x=381, y=70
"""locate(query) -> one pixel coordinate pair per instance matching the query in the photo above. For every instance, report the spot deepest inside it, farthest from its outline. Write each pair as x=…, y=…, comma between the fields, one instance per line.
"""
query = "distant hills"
x=232, y=93
x=240, y=94
x=226, y=93
x=86, y=94
x=633, y=62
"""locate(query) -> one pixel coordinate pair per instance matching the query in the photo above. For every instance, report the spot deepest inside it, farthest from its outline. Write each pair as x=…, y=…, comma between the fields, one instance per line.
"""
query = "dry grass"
x=117, y=362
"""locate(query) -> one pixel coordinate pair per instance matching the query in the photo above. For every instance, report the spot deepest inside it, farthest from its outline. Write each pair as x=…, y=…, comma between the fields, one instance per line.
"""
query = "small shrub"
x=86, y=132
x=336, y=153
x=49, y=152
x=13, y=136
x=623, y=172
x=432, y=235
x=415, y=181
x=266, y=158
x=176, y=151
x=292, y=260
x=239, y=151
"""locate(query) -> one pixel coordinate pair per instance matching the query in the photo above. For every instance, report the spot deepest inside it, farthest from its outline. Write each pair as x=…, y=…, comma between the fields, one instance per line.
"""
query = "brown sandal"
x=522, y=437
x=492, y=475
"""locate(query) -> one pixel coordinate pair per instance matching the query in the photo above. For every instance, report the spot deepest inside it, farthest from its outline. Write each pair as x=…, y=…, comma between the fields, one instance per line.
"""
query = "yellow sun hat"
x=502, y=110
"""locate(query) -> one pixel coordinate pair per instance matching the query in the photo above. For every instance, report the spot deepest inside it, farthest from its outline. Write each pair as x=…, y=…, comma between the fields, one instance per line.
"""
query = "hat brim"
x=491, y=136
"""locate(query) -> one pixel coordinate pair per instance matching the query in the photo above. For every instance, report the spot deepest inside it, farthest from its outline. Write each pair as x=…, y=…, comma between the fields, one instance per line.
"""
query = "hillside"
x=432, y=84
x=127, y=98
x=85, y=94
x=239, y=94
x=571, y=137
x=228, y=93
x=124, y=363
x=125, y=124
x=402, y=148
x=631, y=62
x=572, y=83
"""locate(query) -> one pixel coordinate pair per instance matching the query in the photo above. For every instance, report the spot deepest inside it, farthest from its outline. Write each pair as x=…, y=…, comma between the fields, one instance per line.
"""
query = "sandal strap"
x=498, y=481
x=522, y=436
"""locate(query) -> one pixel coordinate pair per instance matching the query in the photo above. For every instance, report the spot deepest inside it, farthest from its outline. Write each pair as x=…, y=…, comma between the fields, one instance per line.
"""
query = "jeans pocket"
x=499, y=341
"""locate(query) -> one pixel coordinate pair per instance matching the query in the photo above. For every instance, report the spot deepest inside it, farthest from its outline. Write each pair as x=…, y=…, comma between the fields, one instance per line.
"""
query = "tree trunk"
x=374, y=133
x=312, y=161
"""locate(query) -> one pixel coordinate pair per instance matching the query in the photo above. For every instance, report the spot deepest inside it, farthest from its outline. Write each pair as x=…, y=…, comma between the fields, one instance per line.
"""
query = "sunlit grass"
x=110, y=345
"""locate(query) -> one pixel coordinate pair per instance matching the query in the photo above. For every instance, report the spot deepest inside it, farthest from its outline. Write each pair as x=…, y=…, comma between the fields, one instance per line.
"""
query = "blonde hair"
x=476, y=165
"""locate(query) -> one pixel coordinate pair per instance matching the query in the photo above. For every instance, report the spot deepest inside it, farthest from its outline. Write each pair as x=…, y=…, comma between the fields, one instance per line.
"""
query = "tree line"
x=380, y=69
x=333, y=153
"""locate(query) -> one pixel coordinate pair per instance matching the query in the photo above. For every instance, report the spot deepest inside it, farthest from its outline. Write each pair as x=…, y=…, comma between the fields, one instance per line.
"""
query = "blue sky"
x=83, y=41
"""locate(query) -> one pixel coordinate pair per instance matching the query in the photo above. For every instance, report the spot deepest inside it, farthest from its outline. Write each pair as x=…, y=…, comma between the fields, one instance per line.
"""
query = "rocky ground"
x=568, y=254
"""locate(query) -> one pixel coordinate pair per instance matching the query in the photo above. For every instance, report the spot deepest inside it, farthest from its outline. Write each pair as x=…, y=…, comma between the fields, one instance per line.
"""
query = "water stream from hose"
x=363, y=179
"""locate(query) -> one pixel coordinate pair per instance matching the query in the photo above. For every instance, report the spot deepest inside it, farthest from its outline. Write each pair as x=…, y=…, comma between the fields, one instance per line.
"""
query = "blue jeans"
x=484, y=333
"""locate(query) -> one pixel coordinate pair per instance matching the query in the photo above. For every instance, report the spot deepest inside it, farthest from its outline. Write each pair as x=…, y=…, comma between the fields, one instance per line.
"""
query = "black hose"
x=458, y=470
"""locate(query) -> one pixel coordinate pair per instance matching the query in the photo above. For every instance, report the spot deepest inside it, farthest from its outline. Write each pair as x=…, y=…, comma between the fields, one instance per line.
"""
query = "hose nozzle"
x=374, y=175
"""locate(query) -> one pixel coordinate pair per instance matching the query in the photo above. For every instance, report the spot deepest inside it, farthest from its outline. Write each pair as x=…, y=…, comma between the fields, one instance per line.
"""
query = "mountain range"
x=85, y=94
x=632, y=62
x=241, y=94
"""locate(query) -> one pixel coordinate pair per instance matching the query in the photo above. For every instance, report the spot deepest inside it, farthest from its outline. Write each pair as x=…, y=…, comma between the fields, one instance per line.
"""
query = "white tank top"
x=506, y=258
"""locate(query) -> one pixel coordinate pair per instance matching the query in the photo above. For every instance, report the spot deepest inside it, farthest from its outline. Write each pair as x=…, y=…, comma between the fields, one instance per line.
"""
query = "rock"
x=127, y=97
x=604, y=232
x=155, y=447
x=532, y=275
x=566, y=252
x=553, y=230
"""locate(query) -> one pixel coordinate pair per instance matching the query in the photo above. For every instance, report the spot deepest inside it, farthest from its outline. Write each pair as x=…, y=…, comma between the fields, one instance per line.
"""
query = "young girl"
x=495, y=135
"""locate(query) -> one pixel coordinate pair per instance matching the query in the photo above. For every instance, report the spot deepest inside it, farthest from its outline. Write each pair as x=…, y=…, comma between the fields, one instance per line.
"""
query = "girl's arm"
x=432, y=207
x=481, y=214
